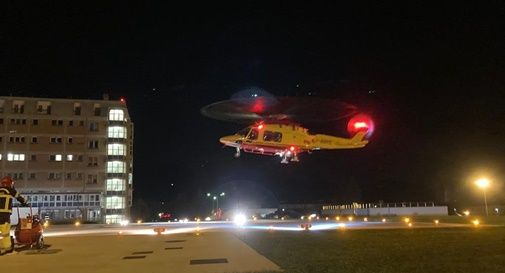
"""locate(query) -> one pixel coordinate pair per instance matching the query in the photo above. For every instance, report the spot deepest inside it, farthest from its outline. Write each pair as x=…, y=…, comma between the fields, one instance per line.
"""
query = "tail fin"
x=358, y=138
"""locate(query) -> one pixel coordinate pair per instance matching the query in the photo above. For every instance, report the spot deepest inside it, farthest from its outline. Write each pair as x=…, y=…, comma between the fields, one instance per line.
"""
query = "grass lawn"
x=479, y=249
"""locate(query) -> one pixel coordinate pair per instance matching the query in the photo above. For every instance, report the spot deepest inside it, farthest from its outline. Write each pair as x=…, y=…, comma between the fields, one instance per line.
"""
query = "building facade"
x=71, y=158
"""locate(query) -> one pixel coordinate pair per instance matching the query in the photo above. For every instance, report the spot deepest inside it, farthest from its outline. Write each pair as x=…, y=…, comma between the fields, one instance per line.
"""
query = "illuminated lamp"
x=122, y=100
x=292, y=148
x=260, y=126
x=360, y=123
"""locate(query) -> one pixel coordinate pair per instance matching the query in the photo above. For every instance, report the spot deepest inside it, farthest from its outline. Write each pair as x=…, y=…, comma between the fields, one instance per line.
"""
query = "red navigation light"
x=292, y=148
x=122, y=100
x=360, y=123
x=260, y=126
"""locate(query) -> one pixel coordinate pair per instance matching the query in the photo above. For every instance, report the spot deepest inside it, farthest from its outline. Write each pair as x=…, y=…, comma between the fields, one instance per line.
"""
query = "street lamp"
x=483, y=183
x=215, y=197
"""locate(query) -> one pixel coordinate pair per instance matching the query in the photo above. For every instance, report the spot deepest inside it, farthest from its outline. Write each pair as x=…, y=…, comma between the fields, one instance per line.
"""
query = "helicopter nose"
x=229, y=140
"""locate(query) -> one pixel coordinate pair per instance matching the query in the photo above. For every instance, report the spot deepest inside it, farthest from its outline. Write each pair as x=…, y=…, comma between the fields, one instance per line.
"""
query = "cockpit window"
x=244, y=132
x=272, y=136
x=253, y=134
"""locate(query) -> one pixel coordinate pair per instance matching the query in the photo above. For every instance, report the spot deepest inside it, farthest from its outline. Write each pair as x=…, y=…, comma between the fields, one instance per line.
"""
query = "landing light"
x=239, y=219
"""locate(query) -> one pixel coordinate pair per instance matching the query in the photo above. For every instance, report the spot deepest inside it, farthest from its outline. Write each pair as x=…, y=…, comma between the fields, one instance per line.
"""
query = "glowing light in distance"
x=124, y=222
x=384, y=220
x=207, y=219
x=365, y=219
x=326, y=218
x=341, y=225
x=482, y=183
x=46, y=224
x=292, y=148
x=337, y=218
x=260, y=126
x=410, y=224
x=239, y=219
x=466, y=212
x=476, y=222
x=406, y=220
x=139, y=221
x=77, y=223
x=349, y=218
x=436, y=222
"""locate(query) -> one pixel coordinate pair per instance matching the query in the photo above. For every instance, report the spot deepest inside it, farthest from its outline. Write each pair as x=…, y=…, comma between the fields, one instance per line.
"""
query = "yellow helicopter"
x=274, y=132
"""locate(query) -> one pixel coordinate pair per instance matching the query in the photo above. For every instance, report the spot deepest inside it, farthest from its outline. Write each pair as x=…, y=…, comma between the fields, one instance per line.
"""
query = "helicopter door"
x=253, y=135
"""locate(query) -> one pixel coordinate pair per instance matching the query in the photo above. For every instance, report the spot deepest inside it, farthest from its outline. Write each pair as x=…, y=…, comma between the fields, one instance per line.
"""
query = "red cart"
x=29, y=231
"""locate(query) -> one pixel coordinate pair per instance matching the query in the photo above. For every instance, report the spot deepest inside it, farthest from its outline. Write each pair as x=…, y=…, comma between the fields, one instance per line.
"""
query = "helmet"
x=6, y=182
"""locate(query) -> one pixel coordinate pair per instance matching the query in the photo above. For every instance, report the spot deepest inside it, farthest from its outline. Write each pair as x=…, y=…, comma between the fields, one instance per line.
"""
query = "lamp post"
x=215, y=197
x=483, y=183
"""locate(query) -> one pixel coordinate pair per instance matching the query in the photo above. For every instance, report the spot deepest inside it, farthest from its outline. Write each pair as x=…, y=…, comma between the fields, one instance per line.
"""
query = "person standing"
x=7, y=193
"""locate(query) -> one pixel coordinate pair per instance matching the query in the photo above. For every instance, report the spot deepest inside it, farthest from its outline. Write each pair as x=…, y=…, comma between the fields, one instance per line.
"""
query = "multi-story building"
x=71, y=158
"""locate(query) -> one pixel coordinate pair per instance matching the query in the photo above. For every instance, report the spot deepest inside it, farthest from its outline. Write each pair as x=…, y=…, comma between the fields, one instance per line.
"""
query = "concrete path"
x=206, y=252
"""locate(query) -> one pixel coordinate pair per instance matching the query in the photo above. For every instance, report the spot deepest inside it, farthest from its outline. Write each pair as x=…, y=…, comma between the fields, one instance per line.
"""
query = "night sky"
x=432, y=77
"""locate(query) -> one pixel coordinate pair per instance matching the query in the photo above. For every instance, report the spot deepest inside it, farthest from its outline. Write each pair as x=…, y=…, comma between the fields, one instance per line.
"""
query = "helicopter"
x=274, y=128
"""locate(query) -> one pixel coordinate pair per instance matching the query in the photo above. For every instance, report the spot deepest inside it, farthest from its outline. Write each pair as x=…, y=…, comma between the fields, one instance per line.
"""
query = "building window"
x=92, y=161
x=35, y=122
x=77, y=109
x=93, y=126
x=18, y=107
x=68, y=176
x=17, y=139
x=92, y=179
x=70, y=123
x=34, y=139
x=56, y=157
x=116, y=167
x=55, y=140
x=70, y=140
x=116, y=149
x=113, y=218
x=15, y=157
x=116, y=132
x=79, y=176
x=32, y=176
x=55, y=122
x=97, y=109
x=93, y=144
x=33, y=158
x=114, y=202
x=2, y=102
x=81, y=123
x=70, y=157
x=115, y=184
x=44, y=107
x=116, y=114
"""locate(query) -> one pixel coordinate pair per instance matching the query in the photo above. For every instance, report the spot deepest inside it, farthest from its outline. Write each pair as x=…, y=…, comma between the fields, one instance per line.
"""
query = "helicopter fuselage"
x=287, y=141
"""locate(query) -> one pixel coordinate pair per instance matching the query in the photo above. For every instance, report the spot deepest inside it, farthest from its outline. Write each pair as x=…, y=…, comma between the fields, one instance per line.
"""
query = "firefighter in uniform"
x=7, y=193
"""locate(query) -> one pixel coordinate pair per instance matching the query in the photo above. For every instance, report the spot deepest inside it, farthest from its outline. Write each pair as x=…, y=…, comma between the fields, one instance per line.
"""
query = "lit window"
x=116, y=114
x=116, y=149
x=116, y=132
x=70, y=157
x=113, y=219
x=114, y=202
x=116, y=167
x=58, y=157
x=116, y=184
x=15, y=157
